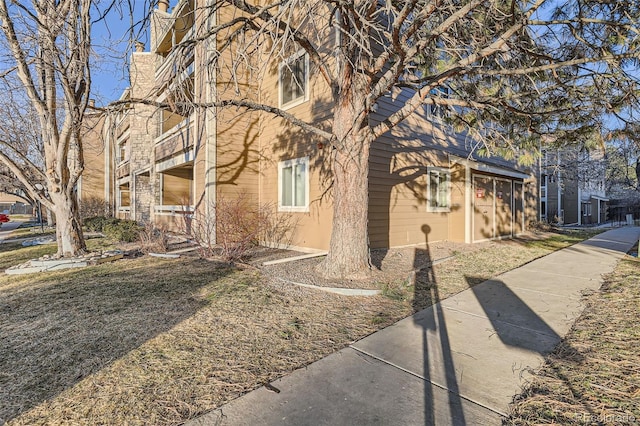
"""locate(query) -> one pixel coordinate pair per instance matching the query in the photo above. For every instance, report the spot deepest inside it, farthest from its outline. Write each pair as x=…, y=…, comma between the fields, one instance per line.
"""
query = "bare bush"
x=154, y=239
x=276, y=229
x=234, y=226
x=93, y=207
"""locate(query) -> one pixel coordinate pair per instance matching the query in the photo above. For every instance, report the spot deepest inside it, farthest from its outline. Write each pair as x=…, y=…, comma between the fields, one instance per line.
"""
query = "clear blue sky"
x=112, y=49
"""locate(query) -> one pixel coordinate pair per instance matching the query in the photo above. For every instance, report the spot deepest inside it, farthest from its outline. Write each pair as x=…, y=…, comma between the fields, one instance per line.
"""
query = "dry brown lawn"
x=150, y=341
x=593, y=376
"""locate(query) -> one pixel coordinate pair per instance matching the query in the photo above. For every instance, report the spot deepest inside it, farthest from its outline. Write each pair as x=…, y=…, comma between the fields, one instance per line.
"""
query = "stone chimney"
x=92, y=103
x=163, y=5
x=139, y=46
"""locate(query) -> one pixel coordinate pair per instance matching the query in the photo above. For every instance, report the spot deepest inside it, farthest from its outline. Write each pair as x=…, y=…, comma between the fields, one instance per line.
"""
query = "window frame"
x=440, y=171
x=293, y=163
x=285, y=63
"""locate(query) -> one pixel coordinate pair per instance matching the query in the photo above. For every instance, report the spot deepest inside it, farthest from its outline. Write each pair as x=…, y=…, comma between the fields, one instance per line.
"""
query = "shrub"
x=94, y=206
x=276, y=229
x=125, y=231
x=535, y=226
x=153, y=239
x=235, y=226
x=97, y=223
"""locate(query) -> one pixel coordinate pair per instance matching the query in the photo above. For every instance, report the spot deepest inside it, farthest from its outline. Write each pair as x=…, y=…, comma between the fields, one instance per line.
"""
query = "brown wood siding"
x=281, y=141
x=398, y=191
x=93, y=144
x=459, y=206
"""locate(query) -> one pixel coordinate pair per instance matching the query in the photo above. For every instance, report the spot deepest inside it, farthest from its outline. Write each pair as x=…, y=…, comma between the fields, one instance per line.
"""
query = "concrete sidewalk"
x=7, y=228
x=458, y=362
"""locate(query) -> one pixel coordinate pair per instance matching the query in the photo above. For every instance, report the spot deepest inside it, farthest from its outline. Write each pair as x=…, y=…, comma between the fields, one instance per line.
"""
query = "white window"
x=124, y=200
x=438, y=189
x=435, y=110
x=122, y=152
x=294, y=80
x=293, y=185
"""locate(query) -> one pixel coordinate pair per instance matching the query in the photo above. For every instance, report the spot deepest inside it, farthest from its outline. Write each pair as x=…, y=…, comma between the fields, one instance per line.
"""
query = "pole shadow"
x=426, y=294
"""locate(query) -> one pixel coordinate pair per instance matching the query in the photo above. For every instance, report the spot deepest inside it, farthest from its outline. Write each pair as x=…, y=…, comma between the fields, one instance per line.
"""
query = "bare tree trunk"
x=68, y=229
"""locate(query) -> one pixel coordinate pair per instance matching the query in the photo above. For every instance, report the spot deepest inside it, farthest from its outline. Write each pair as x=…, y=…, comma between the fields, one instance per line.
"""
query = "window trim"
x=120, y=205
x=304, y=98
x=291, y=163
x=447, y=173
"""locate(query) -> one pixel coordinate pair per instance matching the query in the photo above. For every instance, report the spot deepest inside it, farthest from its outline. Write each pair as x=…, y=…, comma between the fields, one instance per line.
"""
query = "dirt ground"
x=388, y=265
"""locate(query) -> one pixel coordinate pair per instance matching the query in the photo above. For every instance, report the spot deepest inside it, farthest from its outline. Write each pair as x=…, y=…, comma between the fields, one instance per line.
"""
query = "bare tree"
x=508, y=73
x=48, y=44
x=623, y=161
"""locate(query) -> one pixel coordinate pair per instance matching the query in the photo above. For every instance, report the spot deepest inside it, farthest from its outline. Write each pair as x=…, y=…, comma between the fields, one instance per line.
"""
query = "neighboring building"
x=163, y=165
x=12, y=204
x=572, y=187
x=94, y=191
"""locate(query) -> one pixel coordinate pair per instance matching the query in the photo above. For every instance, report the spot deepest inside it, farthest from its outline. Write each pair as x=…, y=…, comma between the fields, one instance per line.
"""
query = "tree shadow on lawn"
x=59, y=328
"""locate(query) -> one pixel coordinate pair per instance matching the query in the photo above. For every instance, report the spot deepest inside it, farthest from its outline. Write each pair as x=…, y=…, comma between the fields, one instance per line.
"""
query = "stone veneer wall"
x=144, y=129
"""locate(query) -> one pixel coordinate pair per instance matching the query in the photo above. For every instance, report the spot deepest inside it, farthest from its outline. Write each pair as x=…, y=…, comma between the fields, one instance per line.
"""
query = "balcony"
x=123, y=170
x=176, y=67
x=178, y=139
x=174, y=27
x=174, y=210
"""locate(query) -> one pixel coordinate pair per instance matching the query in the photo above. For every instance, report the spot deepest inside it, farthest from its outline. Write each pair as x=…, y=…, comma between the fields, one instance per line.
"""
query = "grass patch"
x=151, y=341
x=592, y=377
x=466, y=270
x=147, y=341
x=563, y=239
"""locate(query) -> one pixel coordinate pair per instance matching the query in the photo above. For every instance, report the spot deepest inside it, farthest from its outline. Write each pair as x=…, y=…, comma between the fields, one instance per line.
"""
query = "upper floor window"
x=435, y=110
x=293, y=185
x=438, y=189
x=122, y=152
x=294, y=80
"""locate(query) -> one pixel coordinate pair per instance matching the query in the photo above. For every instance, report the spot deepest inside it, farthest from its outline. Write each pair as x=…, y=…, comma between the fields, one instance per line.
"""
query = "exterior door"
x=504, y=210
x=518, y=203
x=483, y=208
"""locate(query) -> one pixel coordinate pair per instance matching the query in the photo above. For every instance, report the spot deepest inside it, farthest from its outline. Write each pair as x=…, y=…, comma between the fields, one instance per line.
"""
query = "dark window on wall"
x=294, y=79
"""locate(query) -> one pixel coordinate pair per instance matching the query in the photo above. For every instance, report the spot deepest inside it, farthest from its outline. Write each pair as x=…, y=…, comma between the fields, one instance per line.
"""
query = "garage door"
x=498, y=207
x=518, y=201
x=504, y=209
x=483, y=208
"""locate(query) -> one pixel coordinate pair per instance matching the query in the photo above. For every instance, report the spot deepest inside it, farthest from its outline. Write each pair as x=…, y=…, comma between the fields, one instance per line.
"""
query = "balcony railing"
x=176, y=62
x=123, y=169
x=181, y=127
x=174, y=210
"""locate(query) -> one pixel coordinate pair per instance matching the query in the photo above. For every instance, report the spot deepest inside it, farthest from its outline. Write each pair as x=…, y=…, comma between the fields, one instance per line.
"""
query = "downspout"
x=559, y=188
x=468, y=196
x=210, y=186
x=539, y=180
x=579, y=205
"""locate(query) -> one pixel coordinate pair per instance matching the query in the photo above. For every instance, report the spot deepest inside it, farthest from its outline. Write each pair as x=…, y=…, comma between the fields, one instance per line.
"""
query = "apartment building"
x=572, y=186
x=162, y=165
